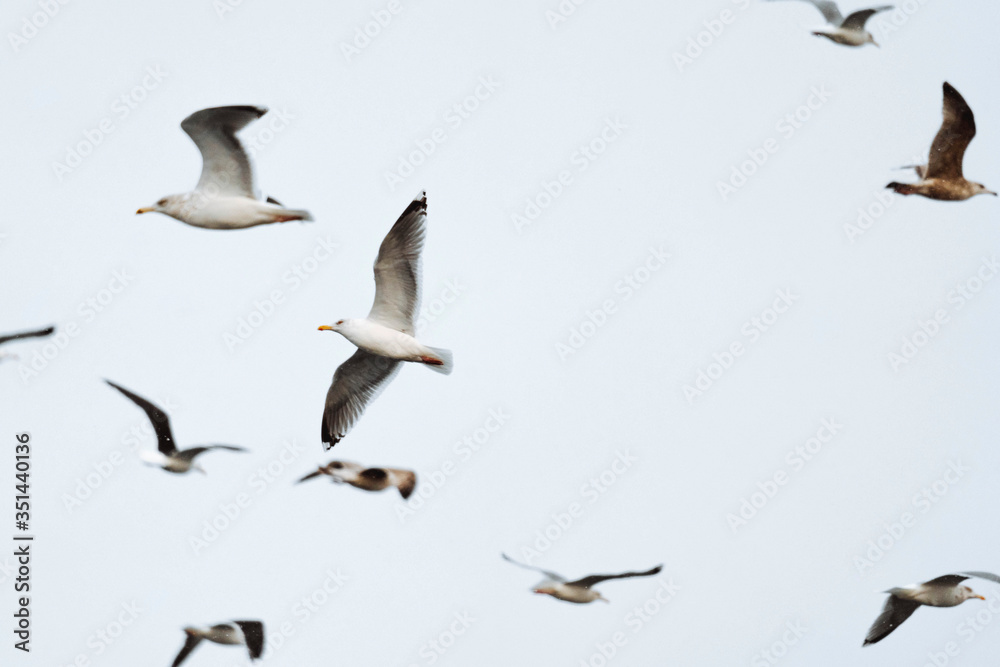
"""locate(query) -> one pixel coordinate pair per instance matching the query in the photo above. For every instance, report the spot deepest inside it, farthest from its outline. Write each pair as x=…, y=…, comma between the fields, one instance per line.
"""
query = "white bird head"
x=967, y=593
x=870, y=39
x=168, y=205
x=339, y=326
x=980, y=189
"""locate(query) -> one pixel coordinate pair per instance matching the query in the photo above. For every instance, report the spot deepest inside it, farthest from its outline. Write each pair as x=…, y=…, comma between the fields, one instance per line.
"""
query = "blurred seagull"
x=169, y=457
x=578, y=591
x=385, y=337
x=39, y=333
x=941, y=178
x=226, y=196
x=237, y=633
x=941, y=592
x=850, y=31
x=369, y=479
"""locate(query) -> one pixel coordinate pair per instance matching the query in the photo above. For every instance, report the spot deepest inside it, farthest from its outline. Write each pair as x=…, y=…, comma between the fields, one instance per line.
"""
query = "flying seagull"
x=226, y=196
x=168, y=457
x=40, y=333
x=578, y=591
x=369, y=479
x=385, y=337
x=941, y=178
x=941, y=592
x=850, y=31
x=237, y=633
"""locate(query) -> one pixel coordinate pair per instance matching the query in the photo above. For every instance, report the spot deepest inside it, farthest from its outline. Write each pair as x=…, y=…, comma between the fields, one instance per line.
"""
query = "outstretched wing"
x=984, y=575
x=159, y=419
x=594, y=579
x=189, y=454
x=957, y=130
x=355, y=384
x=397, y=269
x=226, y=167
x=39, y=333
x=551, y=575
x=829, y=11
x=253, y=634
x=189, y=645
x=893, y=614
x=857, y=20
x=319, y=472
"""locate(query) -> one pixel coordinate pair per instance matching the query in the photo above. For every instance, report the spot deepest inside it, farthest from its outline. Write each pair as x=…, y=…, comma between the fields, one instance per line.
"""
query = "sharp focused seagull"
x=578, y=591
x=168, y=457
x=942, y=178
x=850, y=31
x=237, y=633
x=385, y=337
x=369, y=479
x=39, y=333
x=226, y=196
x=941, y=592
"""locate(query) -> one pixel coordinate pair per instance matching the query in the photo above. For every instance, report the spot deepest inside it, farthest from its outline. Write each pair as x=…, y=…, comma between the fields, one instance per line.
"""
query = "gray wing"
x=355, y=384
x=40, y=333
x=189, y=645
x=857, y=20
x=984, y=575
x=253, y=635
x=189, y=454
x=957, y=130
x=397, y=269
x=829, y=11
x=551, y=575
x=594, y=579
x=159, y=419
x=226, y=167
x=893, y=614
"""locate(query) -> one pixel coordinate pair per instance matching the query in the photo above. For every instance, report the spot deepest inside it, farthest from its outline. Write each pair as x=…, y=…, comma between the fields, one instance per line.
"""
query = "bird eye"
x=339, y=322
x=162, y=202
x=336, y=464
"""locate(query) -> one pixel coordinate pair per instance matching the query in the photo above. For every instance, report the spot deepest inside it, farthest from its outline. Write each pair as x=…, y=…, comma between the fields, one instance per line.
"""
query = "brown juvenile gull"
x=941, y=178
x=369, y=479
x=385, y=337
x=237, y=633
x=226, y=196
x=850, y=31
x=168, y=457
x=941, y=592
x=39, y=333
x=579, y=591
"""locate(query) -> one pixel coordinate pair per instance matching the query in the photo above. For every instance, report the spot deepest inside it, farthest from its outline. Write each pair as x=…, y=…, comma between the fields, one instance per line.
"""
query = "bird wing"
x=355, y=384
x=947, y=580
x=829, y=11
x=551, y=575
x=957, y=130
x=189, y=454
x=404, y=480
x=594, y=579
x=397, y=269
x=159, y=419
x=984, y=575
x=47, y=331
x=896, y=611
x=189, y=645
x=226, y=167
x=319, y=472
x=857, y=20
x=253, y=635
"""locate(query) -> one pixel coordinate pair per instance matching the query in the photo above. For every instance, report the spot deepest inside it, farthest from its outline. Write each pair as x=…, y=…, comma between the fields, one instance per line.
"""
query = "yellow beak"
x=980, y=597
x=147, y=209
x=325, y=328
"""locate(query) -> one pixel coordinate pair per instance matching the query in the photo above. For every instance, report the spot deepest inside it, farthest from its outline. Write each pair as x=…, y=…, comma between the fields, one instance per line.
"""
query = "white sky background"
x=521, y=294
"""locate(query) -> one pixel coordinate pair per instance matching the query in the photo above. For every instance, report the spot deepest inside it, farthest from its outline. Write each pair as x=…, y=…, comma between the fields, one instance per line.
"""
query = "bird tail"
x=441, y=362
x=901, y=188
x=297, y=214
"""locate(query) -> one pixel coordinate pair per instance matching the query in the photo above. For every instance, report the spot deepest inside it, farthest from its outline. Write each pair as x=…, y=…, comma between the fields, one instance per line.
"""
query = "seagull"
x=941, y=178
x=369, y=479
x=385, y=337
x=226, y=196
x=237, y=633
x=578, y=591
x=850, y=31
x=941, y=592
x=169, y=457
x=40, y=333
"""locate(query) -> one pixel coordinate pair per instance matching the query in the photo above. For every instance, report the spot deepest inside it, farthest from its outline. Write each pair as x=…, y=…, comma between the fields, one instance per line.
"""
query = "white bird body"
x=846, y=37
x=848, y=31
x=383, y=341
x=207, y=211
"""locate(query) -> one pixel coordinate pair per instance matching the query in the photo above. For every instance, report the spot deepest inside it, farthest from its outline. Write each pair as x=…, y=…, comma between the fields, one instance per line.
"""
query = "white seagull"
x=578, y=591
x=168, y=457
x=850, y=31
x=369, y=479
x=944, y=591
x=39, y=333
x=237, y=633
x=226, y=196
x=385, y=337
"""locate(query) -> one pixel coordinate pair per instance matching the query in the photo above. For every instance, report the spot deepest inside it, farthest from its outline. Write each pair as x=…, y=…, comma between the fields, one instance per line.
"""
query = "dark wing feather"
x=189, y=645
x=189, y=454
x=318, y=473
x=159, y=419
x=253, y=633
x=893, y=614
x=857, y=20
x=957, y=130
x=593, y=579
x=40, y=333
x=551, y=575
x=355, y=384
x=947, y=580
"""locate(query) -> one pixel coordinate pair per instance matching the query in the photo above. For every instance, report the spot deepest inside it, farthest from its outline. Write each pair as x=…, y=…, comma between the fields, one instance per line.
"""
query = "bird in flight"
x=38, y=333
x=850, y=31
x=579, y=591
x=369, y=479
x=237, y=633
